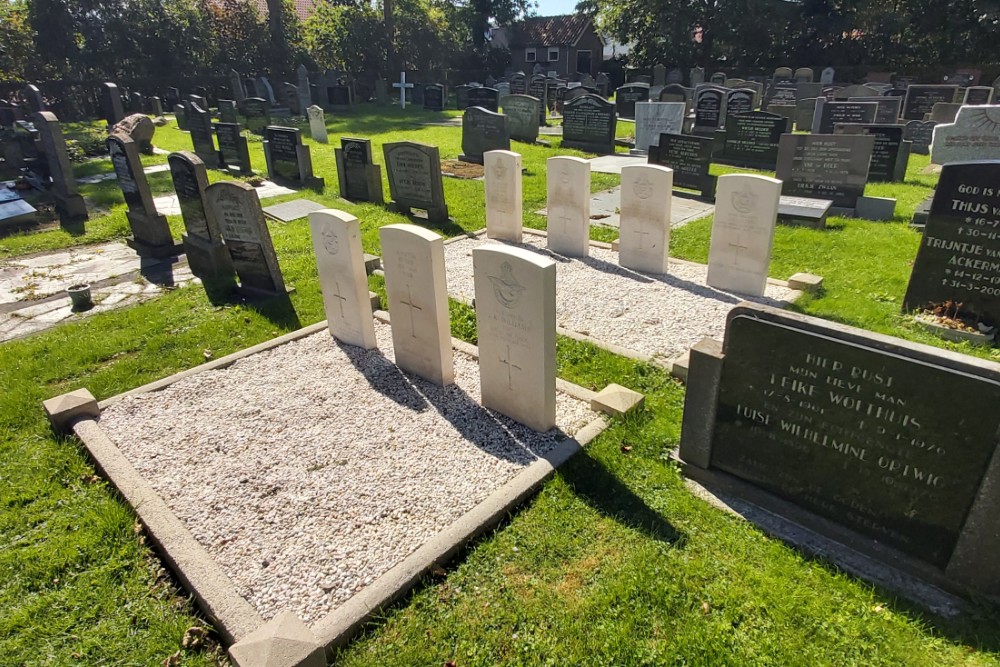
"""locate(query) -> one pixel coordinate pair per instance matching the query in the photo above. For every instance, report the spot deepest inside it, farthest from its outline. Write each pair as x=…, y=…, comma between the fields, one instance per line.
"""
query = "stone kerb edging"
x=238, y=623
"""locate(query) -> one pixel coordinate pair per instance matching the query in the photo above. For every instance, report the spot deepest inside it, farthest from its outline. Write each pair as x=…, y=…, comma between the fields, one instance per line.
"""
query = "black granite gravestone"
x=690, y=157
x=360, y=179
x=589, y=124
x=483, y=130
x=825, y=166
x=415, y=178
x=751, y=139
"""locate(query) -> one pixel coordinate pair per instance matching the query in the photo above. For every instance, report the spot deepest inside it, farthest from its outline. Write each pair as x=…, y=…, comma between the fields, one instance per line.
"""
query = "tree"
x=16, y=44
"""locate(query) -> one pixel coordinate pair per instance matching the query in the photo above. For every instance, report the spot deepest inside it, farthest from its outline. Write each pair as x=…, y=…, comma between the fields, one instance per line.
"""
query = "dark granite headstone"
x=829, y=114
x=626, y=97
x=434, y=97
x=803, y=212
x=920, y=100
x=825, y=166
x=111, y=103
x=234, y=153
x=921, y=133
x=482, y=131
x=287, y=158
x=537, y=87
x=690, y=157
x=959, y=255
x=487, y=98
x=227, y=111
x=200, y=126
x=462, y=97
x=709, y=109
x=338, y=97
x=751, y=139
x=359, y=178
x=739, y=101
x=150, y=231
x=69, y=203
x=519, y=84
x=780, y=93
x=589, y=124
x=258, y=114
x=891, y=153
x=33, y=95
x=206, y=254
x=522, y=116
x=888, y=110
x=977, y=95
x=414, y=172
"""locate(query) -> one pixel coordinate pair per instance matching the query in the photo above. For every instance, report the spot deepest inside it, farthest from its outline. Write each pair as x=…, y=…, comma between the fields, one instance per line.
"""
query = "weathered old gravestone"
x=200, y=126
x=339, y=98
x=287, y=158
x=228, y=112
x=462, y=96
x=709, y=109
x=234, y=154
x=851, y=426
x=290, y=98
x=359, y=178
x=33, y=96
x=646, y=195
x=206, y=254
x=503, y=195
x=718, y=78
x=829, y=114
x=516, y=327
x=150, y=231
x=891, y=153
x=236, y=86
x=139, y=128
x=751, y=139
x=975, y=95
x=417, y=294
x=483, y=130
x=111, y=103
x=921, y=133
x=975, y=135
x=959, y=256
x=568, y=204
x=317, y=124
x=827, y=76
x=780, y=93
x=236, y=209
x=920, y=100
x=487, y=98
x=414, y=172
x=825, y=166
x=258, y=114
x=889, y=108
x=944, y=112
x=805, y=109
x=304, y=87
x=803, y=74
x=340, y=260
x=434, y=97
x=674, y=93
x=181, y=116
x=537, y=87
x=746, y=210
x=69, y=203
x=589, y=124
x=626, y=96
x=155, y=106
x=740, y=100
x=519, y=84
x=522, y=116
x=655, y=118
x=690, y=158
x=696, y=75
x=847, y=92
x=137, y=103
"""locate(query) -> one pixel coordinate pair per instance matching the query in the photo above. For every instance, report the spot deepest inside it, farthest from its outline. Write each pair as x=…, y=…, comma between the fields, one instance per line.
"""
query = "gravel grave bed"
x=659, y=315
x=310, y=469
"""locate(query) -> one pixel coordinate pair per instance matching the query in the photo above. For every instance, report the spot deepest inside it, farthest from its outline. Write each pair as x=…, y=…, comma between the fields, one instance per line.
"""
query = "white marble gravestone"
x=975, y=135
x=503, y=195
x=644, y=232
x=655, y=118
x=413, y=261
x=516, y=324
x=341, y=262
x=568, y=206
x=317, y=124
x=746, y=210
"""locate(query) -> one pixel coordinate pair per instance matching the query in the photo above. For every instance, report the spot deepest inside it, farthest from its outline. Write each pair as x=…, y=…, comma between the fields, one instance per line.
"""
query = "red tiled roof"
x=550, y=30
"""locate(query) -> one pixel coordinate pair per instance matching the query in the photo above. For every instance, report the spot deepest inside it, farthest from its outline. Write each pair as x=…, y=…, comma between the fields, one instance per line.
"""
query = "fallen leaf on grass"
x=194, y=638
x=207, y=354
x=173, y=660
x=626, y=449
x=705, y=607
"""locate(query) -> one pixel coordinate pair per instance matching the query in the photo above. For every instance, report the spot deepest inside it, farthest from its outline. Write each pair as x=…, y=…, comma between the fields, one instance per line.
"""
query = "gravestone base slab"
x=255, y=293
x=71, y=208
x=159, y=251
x=430, y=214
x=803, y=212
x=920, y=214
x=475, y=159
x=208, y=260
x=875, y=208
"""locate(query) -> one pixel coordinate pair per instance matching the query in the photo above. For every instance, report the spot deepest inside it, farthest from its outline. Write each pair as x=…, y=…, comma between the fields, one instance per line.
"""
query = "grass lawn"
x=613, y=563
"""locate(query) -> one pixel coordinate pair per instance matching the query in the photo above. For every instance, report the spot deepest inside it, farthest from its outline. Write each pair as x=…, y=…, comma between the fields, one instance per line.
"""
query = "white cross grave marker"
x=402, y=85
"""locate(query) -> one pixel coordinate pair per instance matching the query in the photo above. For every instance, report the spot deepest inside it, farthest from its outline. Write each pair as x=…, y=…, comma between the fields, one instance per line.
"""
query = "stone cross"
x=402, y=85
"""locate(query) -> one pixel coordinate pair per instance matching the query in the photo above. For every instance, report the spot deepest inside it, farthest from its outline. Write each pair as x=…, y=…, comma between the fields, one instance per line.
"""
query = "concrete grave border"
x=238, y=622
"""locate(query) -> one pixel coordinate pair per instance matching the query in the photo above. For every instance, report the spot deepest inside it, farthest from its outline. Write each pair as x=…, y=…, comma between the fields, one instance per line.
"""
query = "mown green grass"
x=613, y=563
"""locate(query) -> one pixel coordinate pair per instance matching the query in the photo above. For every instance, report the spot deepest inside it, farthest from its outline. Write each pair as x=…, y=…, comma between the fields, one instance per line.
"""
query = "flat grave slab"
x=292, y=210
x=98, y=178
x=168, y=204
x=604, y=209
x=612, y=164
x=334, y=468
x=655, y=316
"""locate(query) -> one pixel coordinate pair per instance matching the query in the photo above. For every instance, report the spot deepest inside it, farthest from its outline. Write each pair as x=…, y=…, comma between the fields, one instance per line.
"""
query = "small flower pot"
x=80, y=296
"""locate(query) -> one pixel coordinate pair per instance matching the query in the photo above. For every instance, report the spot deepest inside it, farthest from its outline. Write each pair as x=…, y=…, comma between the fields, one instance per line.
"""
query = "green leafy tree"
x=17, y=60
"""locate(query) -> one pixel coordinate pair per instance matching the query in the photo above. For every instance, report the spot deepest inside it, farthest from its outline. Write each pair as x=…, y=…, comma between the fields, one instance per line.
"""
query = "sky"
x=555, y=7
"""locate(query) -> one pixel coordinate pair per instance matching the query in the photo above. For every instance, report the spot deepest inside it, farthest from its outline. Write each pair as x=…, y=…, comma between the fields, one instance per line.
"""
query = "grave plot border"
x=216, y=595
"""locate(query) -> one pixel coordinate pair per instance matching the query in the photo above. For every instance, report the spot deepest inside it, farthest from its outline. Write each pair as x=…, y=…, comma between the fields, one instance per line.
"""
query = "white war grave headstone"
x=516, y=325
x=644, y=232
x=503, y=195
x=415, y=286
x=340, y=259
x=568, y=206
x=746, y=210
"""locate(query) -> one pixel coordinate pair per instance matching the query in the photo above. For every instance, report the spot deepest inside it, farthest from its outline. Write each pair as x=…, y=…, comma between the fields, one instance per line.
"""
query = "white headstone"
x=341, y=262
x=413, y=261
x=516, y=323
x=317, y=124
x=826, y=76
x=644, y=232
x=655, y=118
x=975, y=135
x=503, y=195
x=746, y=210
x=568, y=206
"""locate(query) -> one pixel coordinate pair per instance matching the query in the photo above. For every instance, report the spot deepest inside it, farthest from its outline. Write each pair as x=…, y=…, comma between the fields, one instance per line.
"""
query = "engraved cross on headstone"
x=641, y=234
x=411, y=306
x=506, y=362
x=402, y=85
x=738, y=247
x=340, y=299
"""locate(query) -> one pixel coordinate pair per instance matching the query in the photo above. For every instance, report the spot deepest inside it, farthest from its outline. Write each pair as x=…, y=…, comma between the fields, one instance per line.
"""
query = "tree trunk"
x=390, y=31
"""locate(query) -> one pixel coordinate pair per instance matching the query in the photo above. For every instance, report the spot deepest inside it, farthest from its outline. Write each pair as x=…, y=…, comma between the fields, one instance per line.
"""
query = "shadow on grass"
x=278, y=310
x=597, y=486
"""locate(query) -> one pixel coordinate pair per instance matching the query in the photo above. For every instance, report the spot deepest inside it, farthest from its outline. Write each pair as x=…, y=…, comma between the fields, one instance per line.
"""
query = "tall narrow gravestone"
x=959, y=255
x=415, y=286
x=200, y=126
x=69, y=203
x=236, y=209
x=644, y=236
x=150, y=231
x=568, y=186
x=359, y=178
x=503, y=195
x=516, y=325
x=415, y=178
x=234, y=154
x=288, y=159
x=207, y=256
x=236, y=85
x=258, y=113
x=112, y=103
x=746, y=211
x=340, y=259
x=317, y=124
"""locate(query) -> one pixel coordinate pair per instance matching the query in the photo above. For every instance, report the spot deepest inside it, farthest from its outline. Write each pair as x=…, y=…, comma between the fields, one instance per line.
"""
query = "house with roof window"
x=562, y=44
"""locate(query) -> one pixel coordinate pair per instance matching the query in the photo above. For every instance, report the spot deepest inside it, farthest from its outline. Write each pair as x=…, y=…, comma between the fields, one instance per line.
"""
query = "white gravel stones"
x=660, y=315
x=312, y=468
